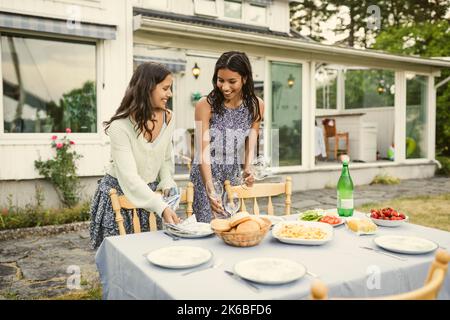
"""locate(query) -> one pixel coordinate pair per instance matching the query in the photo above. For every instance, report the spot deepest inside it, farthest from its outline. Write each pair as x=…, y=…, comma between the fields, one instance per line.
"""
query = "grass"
x=94, y=293
x=428, y=211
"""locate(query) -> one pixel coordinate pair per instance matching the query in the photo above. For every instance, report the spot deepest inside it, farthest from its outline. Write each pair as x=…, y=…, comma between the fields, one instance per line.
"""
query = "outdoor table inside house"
x=347, y=269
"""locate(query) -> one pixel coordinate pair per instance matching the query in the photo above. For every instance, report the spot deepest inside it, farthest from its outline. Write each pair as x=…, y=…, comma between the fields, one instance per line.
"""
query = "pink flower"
x=59, y=145
x=68, y=130
x=4, y=212
x=72, y=142
x=54, y=137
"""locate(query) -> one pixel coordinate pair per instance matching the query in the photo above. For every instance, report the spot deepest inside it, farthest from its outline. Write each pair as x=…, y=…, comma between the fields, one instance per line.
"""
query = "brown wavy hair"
x=238, y=62
x=137, y=103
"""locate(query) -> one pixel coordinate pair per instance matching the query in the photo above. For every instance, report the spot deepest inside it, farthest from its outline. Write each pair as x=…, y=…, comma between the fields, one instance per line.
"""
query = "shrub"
x=61, y=170
x=385, y=178
x=445, y=166
x=34, y=216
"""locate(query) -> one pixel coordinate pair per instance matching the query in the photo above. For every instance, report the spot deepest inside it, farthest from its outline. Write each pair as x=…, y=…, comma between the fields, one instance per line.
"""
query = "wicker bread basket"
x=243, y=239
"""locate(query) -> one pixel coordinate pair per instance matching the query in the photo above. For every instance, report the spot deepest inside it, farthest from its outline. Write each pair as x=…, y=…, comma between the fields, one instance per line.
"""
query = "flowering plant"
x=61, y=170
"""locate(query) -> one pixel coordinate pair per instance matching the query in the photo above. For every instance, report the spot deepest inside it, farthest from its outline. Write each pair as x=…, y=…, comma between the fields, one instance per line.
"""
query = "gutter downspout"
x=441, y=83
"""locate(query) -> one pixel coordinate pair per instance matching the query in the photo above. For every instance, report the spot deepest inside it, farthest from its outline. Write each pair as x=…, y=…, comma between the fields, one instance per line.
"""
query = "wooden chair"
x=121, y=202
x=262, y=190
x=329, y=128
x=429, y=291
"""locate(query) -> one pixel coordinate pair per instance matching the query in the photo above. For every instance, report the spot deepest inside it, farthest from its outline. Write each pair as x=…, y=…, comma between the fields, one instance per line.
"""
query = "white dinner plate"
x=272, y=218
x=193, y=230
x=325, y=227
x=270, y=270
x=405, y=244
x=179, y=257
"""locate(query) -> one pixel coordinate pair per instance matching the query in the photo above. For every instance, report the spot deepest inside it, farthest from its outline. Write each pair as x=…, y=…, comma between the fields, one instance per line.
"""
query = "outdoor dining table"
x=347, y=269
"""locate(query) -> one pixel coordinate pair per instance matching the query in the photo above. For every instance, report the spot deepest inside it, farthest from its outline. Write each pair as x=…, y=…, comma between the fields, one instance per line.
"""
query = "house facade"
x=66, y=63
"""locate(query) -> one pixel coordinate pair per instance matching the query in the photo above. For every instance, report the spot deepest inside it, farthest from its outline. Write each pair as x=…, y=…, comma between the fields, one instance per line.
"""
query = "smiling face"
x=230, y=84
x=162, y=92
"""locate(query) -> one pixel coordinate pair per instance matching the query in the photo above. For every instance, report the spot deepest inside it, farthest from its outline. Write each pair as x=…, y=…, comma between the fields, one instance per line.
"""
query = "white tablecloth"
x=347, y=269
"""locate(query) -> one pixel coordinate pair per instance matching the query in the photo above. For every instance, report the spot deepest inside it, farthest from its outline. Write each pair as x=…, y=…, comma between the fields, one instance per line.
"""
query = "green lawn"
x=429, y=211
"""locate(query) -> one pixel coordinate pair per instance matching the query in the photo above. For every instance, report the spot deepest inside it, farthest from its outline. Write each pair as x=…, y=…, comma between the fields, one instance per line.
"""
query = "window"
x=257, y=14
x=416, y=116
x=232, y=9
x=326, y=87
x=48, y=85
x=156, y=4
x=369, y=88
x=286, y=113
x=205, y=8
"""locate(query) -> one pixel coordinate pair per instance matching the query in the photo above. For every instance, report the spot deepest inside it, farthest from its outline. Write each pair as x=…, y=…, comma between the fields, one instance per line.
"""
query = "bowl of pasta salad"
x=303, y=232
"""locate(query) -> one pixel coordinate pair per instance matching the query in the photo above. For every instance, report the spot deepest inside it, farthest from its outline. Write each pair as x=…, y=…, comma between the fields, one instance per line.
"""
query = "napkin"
x=173, y=201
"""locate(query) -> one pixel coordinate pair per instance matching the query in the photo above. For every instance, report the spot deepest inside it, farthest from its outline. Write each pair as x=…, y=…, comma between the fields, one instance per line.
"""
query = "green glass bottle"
x=345, y=193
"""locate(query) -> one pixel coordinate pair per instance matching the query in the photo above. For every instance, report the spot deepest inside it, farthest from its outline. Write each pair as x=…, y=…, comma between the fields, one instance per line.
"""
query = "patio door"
x=285, y=114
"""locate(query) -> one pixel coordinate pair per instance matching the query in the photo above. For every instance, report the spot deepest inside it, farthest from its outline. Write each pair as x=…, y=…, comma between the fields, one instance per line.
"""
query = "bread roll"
x=247, y=227
x=261, y=222
x=239, y=218
x=221, y=225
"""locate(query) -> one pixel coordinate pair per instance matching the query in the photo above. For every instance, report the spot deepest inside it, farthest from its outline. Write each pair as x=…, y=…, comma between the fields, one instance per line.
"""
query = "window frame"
x=246, y=7
x=42, y=138
x=340, y=94
x=305, y=112
x=430, y=122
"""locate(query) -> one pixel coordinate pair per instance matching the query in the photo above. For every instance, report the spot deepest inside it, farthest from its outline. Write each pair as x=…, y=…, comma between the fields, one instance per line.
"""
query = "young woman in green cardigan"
x=141, y=154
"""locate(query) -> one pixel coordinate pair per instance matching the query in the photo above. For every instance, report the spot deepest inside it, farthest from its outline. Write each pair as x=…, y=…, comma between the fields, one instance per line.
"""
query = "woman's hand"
x=169, y=216
x=170, y=192
x=216, y=205
x=249, y=179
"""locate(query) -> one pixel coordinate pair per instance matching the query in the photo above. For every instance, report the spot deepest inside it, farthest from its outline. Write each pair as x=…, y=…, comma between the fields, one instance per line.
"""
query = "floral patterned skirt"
x=103, y=221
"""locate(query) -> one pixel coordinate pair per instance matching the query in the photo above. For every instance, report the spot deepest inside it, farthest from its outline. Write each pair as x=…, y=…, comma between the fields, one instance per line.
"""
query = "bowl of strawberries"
x=387, y=217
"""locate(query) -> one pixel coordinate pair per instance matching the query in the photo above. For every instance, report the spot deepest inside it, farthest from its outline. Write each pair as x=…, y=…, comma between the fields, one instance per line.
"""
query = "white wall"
x=114, y=67
x=277, y=18
x=384, y=117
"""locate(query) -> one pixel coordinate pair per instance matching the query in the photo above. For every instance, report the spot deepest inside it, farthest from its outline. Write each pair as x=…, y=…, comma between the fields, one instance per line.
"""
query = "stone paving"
x=43, y=266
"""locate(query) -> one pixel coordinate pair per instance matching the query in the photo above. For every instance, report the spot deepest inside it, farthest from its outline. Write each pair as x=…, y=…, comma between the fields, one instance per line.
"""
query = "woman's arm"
x=167, y=169
x=250, y=143
x=202, y=118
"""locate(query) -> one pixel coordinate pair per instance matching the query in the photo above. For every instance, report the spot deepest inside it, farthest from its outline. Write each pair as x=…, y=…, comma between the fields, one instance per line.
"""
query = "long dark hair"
x=238, y=62
x=137, y=103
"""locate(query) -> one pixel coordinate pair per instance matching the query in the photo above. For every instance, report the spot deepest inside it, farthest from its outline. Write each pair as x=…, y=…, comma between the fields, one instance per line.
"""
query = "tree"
x=352, y=17
x=308, y=16
x=428, y=40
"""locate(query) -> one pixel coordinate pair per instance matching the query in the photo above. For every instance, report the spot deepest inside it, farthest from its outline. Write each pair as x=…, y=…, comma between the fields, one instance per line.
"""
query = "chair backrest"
x=329, y=126
x=262, y=190
x=429, y=291
x=121, y=202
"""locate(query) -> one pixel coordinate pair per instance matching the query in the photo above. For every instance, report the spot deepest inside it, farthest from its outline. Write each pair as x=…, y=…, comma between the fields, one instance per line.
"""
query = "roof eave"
x=183, y=29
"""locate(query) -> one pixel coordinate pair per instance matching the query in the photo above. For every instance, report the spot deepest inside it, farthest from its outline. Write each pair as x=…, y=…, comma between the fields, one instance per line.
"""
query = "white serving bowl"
x=388, y=223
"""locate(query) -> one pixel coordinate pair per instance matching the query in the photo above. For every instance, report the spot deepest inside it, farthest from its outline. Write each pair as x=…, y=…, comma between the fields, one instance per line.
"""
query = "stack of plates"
x=190, y=230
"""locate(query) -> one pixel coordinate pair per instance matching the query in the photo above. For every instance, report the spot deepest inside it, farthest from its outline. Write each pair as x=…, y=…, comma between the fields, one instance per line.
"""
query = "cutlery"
x=249, y=284
x=174, y=237
x=385, y=253
x=217, y=264
x=312, y=274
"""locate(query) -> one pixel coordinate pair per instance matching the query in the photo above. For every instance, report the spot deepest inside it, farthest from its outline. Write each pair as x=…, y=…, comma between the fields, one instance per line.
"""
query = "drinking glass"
x=214, y=190
x=231, y=203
